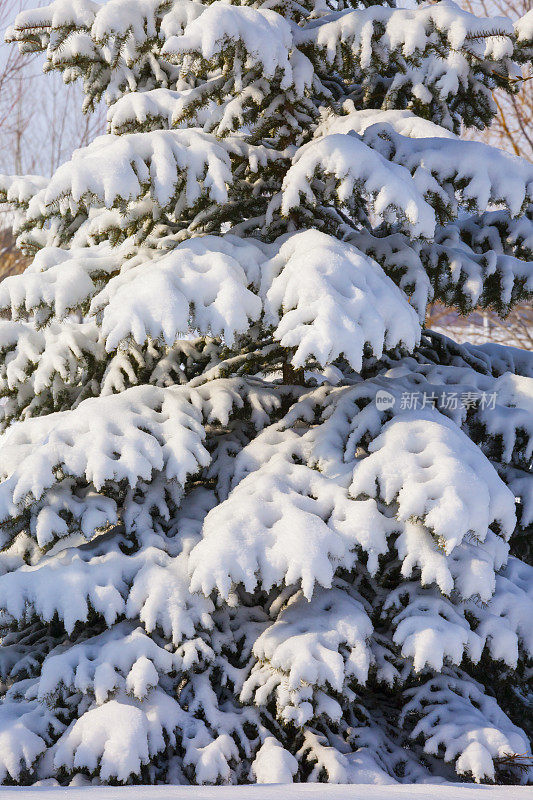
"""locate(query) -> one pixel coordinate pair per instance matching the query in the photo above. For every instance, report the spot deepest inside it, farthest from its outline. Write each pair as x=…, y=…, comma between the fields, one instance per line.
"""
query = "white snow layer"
x=306, y=284
x=318, y=791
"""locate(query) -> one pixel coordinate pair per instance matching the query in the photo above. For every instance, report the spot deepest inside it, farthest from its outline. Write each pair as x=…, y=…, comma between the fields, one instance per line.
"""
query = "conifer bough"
x=238, y=541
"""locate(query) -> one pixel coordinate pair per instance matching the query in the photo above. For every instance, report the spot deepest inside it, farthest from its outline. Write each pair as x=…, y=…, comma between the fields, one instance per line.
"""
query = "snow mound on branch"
x=512, y=419
x=163, y=105
x=41, y=356
x=19, y=189
x=507, y=359
x=438, y=475
x=160, y=598
x=469, y=569
x=24, y=735
x=430, y=630
x=150, y=586
x=61, y=280
x=120, y=437
x=483, y=175
x=319, y=643
x=68, y=584
x=119, y=18
x=119, y=736
x=506, y=620
x=117, y=169
x=58, y=14
x=305, y=640
x=404, y=122
x=515, y=391
x=524, y=27
x=274, y=764
x=318, y=285
x=473, y=271
x=357, y=170
x=314, y=517
x=460, y=717
x=123, y=657
x=410, y=31
x=221, y=285
x=53, y=464
x=265, y=36
x=306, y=526
x=203, y=282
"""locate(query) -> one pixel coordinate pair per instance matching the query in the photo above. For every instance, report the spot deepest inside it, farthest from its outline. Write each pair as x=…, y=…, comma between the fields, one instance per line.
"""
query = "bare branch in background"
x=511, y=130
x=515, y=330
x=41, y=123
x=15, y=70
x=513, y=126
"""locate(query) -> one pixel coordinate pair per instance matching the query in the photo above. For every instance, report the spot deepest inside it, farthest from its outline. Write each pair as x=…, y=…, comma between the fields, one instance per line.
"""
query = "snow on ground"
x=316, y=791
x=476, y=334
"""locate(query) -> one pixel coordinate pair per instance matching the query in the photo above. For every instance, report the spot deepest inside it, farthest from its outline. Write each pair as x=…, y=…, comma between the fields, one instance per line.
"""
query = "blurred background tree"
x=11, y=259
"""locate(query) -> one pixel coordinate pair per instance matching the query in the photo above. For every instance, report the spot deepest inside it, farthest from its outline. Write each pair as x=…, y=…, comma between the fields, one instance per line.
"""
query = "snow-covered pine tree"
x=236, y=544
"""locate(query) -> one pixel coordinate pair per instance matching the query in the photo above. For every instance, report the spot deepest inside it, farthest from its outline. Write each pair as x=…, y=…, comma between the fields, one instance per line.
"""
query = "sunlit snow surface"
x=276, y=792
